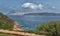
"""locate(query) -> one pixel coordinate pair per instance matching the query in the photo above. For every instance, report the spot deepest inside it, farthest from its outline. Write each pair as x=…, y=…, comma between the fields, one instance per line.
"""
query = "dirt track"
x=19, y=33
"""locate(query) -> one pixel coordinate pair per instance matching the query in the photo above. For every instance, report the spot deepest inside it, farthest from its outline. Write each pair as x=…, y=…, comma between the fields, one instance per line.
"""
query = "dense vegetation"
x=5, y=22
x=51, y=28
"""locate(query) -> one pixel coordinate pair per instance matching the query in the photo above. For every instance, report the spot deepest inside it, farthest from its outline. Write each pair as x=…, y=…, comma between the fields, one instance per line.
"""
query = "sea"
x=29, y=22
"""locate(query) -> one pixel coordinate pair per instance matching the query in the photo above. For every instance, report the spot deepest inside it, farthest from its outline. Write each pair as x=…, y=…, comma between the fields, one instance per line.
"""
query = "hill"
x=5, y=22
x=44, y=14
x=16, y=12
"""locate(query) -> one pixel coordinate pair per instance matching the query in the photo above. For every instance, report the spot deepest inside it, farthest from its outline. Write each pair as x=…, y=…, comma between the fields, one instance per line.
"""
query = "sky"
x=30, y=6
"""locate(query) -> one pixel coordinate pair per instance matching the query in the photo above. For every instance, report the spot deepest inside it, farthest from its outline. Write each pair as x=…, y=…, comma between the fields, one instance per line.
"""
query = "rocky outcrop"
x=15, y=26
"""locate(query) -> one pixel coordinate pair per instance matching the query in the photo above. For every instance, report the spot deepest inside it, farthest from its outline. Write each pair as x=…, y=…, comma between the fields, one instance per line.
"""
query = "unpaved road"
x=19, y=33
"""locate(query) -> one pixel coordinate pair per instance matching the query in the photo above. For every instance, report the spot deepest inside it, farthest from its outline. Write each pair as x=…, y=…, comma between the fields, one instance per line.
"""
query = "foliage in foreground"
x=50, y=28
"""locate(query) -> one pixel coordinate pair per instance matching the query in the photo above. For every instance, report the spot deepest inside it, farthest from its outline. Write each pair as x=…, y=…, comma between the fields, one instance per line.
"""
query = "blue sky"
x=30, y=5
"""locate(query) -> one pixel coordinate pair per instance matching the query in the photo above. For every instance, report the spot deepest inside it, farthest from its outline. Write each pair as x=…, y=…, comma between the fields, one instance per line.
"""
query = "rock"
x=15, y=27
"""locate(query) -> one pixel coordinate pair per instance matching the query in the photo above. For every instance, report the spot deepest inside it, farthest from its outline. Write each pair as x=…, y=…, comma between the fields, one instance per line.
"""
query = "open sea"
x=30, y=21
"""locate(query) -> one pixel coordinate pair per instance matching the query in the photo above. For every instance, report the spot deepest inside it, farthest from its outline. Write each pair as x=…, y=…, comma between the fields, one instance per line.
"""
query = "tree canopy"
x=52, y=28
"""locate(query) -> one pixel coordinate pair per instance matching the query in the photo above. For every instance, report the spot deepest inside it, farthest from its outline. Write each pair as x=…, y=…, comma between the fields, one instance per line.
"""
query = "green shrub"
x=50, y=28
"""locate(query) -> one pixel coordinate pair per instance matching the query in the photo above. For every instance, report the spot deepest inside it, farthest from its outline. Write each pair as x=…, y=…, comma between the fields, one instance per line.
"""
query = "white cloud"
x=32, y=6
x=53, y=7
x=41, y=6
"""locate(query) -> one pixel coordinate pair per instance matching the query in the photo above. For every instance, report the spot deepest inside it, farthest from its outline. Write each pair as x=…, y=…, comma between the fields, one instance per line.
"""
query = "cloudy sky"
x=30, y=5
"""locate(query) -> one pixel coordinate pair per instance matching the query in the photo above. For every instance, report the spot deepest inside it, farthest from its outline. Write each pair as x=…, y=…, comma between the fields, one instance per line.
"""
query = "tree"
x=42, y=28
x=52, y=28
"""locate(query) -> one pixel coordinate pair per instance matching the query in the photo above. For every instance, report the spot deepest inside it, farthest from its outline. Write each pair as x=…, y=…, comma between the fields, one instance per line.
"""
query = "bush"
x=51, y=28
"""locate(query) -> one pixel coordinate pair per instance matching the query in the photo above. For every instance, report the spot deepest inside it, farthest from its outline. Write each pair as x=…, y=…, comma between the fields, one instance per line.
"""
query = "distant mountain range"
x=44, y=14
x=31, y=13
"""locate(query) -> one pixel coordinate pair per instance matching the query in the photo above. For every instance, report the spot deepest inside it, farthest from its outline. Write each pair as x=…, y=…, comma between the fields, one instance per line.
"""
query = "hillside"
x=5, y=22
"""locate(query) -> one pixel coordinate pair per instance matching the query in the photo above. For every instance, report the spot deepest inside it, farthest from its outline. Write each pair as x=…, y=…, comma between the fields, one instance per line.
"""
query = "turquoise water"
x=30, y=21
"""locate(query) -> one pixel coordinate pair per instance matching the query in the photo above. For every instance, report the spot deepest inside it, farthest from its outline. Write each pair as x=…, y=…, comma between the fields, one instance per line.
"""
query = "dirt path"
x=19, y=33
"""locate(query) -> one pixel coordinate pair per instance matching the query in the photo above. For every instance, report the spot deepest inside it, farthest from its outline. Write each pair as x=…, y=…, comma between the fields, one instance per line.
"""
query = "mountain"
x=16, y=12
x=44, y=14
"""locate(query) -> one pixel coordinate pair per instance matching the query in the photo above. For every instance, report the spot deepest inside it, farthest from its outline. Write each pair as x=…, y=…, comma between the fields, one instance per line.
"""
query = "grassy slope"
x=6, y=22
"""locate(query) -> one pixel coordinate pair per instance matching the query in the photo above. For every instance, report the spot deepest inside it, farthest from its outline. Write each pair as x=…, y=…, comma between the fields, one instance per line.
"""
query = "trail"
x=19, y=33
